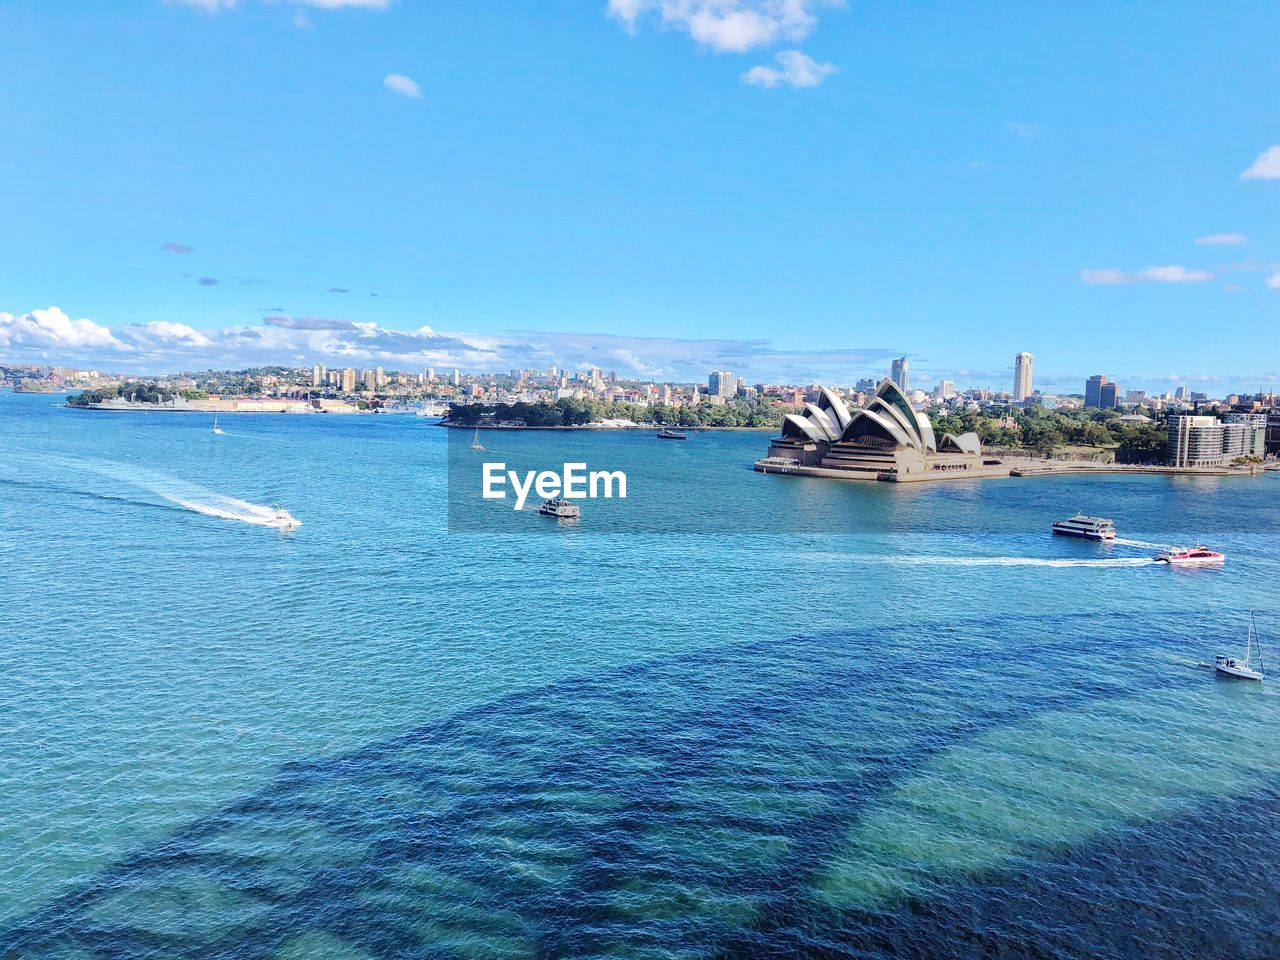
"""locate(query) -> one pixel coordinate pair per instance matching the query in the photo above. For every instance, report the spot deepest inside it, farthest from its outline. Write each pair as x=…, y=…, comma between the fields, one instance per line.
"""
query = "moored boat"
x=1086, y=527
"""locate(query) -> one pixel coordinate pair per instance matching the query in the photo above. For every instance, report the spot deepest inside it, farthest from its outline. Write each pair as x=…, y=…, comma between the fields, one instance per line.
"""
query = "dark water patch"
x=1205, y=884
x=668, y=805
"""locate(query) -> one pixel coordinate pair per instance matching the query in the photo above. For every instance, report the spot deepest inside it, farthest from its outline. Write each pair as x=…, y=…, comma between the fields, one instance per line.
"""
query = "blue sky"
x=793, y=189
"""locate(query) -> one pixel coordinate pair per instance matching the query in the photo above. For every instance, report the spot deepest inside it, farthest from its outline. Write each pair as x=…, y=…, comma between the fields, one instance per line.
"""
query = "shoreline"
x=147, y=408
x=644, y=427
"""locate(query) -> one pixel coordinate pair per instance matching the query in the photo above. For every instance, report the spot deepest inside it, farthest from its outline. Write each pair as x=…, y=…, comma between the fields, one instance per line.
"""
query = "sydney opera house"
x=886, y=440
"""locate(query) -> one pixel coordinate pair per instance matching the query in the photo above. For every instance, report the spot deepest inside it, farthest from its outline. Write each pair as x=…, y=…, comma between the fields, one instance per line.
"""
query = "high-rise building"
x=722, y=383
x=379, y=378
x=456, y=379
x=945, y=390
x=1196, y=442
x=1093, y=391
x=1109, y=396
x=431, y=374
x=898, y=373
x=317, y=375
x=865, y=386
x=1254, y=426
x=1021, y=377
x=348, y=379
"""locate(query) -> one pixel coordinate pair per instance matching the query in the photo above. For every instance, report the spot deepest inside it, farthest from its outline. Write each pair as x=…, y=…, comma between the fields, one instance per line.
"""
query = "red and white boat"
x=1193, y=557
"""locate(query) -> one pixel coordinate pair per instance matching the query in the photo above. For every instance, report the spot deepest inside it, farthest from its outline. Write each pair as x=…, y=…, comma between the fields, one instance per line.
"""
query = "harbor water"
x=906, y=722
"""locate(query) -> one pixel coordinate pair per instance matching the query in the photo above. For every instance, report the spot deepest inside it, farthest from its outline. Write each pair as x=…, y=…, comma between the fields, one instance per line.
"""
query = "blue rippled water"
x=940, y=734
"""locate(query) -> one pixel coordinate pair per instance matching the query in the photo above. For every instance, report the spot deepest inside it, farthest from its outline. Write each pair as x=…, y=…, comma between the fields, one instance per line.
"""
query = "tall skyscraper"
x=1021, y=376
x=1093, y=391
x=456, y=379
x=898, y=373
x=1109, y=396
x=722, y=383
x=348, y=380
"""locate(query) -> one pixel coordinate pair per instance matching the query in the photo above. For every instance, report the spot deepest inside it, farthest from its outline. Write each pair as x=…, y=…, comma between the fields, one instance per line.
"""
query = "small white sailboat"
x=475, y=440
x=216, y=429
x=1245, y=669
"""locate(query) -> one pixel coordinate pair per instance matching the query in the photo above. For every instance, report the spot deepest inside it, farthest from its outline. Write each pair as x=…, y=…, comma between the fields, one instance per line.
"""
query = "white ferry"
x=1086, y=528
x=560, y=508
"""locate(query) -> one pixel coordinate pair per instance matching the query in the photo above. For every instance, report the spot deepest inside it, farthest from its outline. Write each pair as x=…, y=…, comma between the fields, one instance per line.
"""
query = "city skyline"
x=901, y=177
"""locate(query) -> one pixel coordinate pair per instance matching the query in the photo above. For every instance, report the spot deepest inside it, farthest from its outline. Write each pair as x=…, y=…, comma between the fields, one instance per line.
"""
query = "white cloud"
x=213, y=6
x=1225, y=239
x=1027, y=131
x=164, y=346
x=1273, y=281
x=208, y=6
x=733, y=26
x=1175, y=275
x=1266, y=167
x=399, y=83
x=341, y=4
x=52, y=328
x=795, y=69
x=1169, y=274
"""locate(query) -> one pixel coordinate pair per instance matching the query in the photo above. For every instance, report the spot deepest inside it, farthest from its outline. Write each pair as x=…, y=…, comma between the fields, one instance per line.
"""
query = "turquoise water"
x=937, y=732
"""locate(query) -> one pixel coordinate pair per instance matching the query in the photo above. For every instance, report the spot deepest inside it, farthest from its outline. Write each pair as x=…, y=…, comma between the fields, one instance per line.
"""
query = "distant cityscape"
x=1201, y=430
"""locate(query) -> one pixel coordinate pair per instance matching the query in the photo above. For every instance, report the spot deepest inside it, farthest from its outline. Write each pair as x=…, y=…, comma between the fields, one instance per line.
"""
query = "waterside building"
x=887, y=440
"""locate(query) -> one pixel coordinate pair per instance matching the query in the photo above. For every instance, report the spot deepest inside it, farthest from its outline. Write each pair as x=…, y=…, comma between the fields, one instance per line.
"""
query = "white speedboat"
x=1246, y=669
x=216, y=429
x=1194, y=557
x=560, y=508
x=282, y=519
x=1086, y=528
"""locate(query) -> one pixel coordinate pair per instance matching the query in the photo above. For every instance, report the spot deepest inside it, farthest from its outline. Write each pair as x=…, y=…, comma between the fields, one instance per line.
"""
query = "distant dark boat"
x=665, y=434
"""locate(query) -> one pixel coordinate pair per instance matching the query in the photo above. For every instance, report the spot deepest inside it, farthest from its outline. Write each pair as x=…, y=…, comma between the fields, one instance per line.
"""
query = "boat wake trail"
x=227, y=508
x=177, y=492
x=1017, y=561
x=1141, y=543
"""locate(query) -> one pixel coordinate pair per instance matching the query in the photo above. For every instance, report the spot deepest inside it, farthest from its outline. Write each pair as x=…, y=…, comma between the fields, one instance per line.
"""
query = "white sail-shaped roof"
x=823, y=419
x=878, y=423
x=798, y=427
x=829, y=400
x=965, y=443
